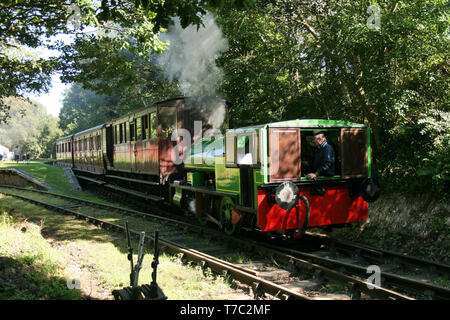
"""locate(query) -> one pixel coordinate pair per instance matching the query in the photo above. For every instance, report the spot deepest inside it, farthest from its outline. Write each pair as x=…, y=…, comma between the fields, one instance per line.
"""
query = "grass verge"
x=53, y=176
x=61, y=248
x=29, y=267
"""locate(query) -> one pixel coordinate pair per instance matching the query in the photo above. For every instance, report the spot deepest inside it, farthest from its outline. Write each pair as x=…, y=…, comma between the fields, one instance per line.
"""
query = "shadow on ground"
x=24, y=280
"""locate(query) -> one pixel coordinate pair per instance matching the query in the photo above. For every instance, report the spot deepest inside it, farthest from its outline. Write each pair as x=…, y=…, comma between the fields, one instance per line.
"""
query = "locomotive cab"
x=334, y=198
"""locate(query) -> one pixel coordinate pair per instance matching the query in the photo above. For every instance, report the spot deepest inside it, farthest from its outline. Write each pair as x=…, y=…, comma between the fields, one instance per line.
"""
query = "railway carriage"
x=88, y=150
x=253, y=176
x=64, y=151
x=139, y=145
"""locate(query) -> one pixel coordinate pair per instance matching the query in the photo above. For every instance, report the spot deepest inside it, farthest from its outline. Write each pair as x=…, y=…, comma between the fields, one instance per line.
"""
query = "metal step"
x=132, y=180
x=135, y=193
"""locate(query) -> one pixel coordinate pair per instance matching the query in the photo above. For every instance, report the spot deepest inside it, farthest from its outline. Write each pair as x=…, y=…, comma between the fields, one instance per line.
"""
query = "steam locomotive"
x=175, y=151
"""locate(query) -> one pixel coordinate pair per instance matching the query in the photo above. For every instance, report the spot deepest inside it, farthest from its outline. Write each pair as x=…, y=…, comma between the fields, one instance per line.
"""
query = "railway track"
x=331, y=270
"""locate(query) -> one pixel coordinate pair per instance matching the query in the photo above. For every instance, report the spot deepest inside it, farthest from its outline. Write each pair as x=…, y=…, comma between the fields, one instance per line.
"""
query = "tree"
x=29, y=24
x=326, y=59
x=30, y=128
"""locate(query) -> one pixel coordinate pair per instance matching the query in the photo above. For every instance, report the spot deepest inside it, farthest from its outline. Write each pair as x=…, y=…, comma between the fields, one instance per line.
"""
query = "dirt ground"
x=95, y=260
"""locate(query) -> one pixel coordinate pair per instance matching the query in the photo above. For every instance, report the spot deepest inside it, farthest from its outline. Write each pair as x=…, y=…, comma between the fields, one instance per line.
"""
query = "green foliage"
x=436, y=163
x=285, y=60
x=83, y=108
x=33, y=268
x=132, y=25
x=30, y=128
x=322, y=60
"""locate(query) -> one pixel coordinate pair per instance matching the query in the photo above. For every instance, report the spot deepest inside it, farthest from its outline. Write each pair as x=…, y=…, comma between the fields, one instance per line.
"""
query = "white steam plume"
x=191, y=56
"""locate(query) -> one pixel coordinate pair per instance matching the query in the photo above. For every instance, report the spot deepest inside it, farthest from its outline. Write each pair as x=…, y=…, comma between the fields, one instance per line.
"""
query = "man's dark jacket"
x=323, y=162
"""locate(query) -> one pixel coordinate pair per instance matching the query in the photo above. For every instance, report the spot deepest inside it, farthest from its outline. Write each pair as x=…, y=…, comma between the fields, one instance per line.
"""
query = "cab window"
x=230, y=149
x=247, y=148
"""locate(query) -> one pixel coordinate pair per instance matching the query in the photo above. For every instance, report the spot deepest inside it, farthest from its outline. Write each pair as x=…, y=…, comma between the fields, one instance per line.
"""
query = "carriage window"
x=70, y=147
x=132, y=131
x=115, y=134
x=144, y=120
x=121, y=133
x=91, y=143
x=138, y=128
x=153, y=125
x=168, y=120
x=85, y=144
x=125, y=136
x=99, y=142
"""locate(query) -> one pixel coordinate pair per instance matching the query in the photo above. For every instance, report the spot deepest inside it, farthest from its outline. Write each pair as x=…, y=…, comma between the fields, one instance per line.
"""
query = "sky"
x=53, y=99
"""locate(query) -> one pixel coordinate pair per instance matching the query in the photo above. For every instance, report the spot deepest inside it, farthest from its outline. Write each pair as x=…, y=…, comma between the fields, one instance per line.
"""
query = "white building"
x=4, y=152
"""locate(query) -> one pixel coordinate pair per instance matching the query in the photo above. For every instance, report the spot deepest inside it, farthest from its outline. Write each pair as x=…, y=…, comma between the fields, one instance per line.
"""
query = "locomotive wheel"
x=226, y=207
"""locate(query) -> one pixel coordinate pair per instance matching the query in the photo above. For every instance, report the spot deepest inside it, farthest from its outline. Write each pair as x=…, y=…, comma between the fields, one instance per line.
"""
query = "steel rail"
x=390, y=278
x=215, y=264
x=297, y=258
x=382, y=254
